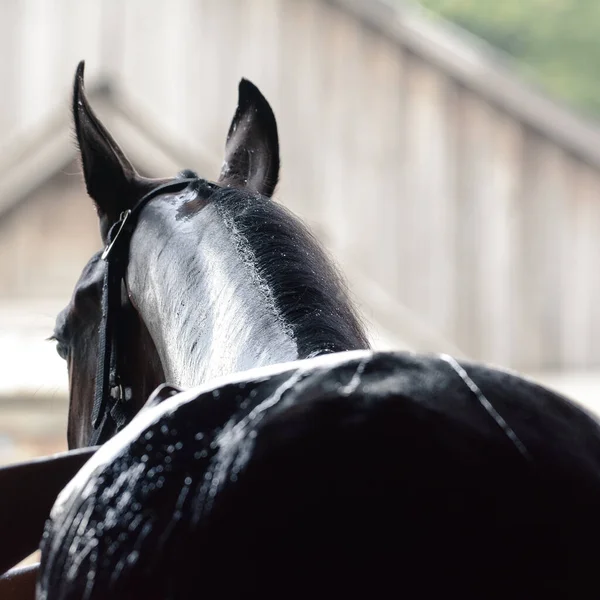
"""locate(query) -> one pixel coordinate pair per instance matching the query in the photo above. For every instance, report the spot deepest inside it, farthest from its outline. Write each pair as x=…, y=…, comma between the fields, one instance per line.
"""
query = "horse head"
x=351, y=474
x=219, y=278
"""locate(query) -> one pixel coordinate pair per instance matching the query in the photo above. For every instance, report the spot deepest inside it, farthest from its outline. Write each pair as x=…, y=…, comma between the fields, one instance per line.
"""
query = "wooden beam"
x=478, y=66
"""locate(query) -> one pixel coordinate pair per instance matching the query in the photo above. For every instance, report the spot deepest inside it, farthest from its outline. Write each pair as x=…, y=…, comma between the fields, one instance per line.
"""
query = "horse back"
x=381, y=472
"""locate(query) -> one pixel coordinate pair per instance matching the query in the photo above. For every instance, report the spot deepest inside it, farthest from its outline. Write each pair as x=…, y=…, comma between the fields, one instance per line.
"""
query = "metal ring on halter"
x=122, y=220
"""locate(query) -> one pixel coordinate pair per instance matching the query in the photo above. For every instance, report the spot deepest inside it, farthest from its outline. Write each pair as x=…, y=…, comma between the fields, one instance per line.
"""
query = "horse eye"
x=62, y=350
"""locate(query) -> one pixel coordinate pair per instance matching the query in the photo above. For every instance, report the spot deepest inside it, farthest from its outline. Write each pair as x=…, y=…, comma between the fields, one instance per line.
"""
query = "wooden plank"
x=299, y=114
x=110, y=28
x=553, y=213
x=11, y=16
x=42, y=256
x=83, y=37
x=526, y=327
x=144, y=68
x=38, y=47
x=593, y=193
x=430, y=199
x=498, y=196
x=339, y=56
x=226, y=52
x=581, y=258
x=541, y=242
x=175, y=82
x=260, y=41
x=389, y=319
x=473, y=155
x=378, y=200
x=360, y=202
x=209, y=57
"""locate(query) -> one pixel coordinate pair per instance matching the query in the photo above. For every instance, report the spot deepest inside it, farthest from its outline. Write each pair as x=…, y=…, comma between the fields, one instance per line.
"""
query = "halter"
x=112, y=398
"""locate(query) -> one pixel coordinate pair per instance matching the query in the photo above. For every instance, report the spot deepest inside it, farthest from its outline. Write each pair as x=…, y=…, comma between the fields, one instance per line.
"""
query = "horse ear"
x=252, y=148
x=110, y=178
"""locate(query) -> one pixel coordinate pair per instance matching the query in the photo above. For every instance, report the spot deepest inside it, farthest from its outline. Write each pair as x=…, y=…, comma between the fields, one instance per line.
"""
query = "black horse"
x=356, y=474
x=305, y=463
x=220, y=278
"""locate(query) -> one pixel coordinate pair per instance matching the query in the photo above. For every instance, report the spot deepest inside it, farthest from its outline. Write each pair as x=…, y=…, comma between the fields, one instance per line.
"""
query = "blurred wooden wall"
x=462, y=204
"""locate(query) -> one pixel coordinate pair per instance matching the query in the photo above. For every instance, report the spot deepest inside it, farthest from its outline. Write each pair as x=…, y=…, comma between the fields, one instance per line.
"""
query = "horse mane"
x=306, y=289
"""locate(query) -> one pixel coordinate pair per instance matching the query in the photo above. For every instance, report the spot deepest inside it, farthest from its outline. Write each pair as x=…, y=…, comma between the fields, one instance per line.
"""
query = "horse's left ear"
x=252, y=148
x=110, y=179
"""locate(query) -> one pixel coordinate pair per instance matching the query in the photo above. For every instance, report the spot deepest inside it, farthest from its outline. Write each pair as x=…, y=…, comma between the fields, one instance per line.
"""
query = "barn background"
x=461, y=202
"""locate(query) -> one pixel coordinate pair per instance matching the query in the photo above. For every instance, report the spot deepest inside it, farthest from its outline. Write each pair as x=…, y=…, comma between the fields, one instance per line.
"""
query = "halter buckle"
x=121, y=222
x=117, y=392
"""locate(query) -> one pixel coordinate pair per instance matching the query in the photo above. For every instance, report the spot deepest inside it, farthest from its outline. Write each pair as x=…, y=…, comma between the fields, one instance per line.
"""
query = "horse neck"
x=202, y=292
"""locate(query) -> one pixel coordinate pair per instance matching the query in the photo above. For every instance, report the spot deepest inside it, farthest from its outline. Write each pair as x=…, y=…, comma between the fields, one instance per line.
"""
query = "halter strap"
x=112, y=407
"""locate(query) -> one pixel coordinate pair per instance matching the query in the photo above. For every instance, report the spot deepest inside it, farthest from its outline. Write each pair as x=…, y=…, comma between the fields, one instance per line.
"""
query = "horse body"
x=341, y=471
x=353, y=474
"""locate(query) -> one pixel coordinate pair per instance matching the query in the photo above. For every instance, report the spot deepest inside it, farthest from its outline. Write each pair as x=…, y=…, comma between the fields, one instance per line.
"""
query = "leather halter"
x=112, y=399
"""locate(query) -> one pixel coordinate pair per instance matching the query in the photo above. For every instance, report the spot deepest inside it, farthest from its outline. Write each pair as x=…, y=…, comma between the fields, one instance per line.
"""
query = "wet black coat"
x=356, y=474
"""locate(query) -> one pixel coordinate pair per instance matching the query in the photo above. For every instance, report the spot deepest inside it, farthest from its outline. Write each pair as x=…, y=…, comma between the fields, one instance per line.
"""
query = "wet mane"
x=290, y=265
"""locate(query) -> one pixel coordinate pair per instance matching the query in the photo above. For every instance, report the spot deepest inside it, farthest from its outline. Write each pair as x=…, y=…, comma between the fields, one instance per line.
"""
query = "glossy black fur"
x=347, y=475
x=270, y=261
x=309, y=294
x=358, y=475
x=253, y=144
x=76, y=335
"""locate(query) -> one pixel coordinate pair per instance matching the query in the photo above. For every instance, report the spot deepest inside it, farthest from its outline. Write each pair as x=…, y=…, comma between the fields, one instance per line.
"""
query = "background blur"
x=457, y=188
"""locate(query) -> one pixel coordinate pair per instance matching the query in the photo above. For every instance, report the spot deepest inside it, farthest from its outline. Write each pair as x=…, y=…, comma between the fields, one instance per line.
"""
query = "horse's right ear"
x=110, y=178
x=252, y=149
